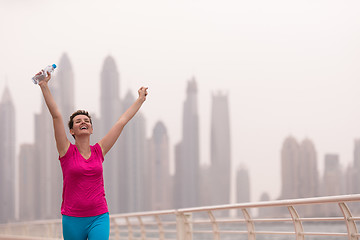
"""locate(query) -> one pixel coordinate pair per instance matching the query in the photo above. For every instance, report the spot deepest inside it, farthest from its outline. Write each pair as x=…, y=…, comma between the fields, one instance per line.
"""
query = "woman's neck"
x=83, y=144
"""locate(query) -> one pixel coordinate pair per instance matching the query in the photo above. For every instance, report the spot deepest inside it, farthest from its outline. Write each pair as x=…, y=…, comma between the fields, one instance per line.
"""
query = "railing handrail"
x=35, y=222
x=278, y=203
x=137, y=223
x=275, y=203
x=151, y=213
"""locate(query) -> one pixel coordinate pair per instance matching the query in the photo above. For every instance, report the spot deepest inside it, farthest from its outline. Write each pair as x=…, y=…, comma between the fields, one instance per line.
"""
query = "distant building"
x=308, y=177
x=179, y=171
x=220, y=150
x=7, y=157
x=265, y=211
x=357, y=153
x=187, y=175
x=110, y=110
x=332, y=183
x=299, y=173
x=350, y=177
x=242, y=185
x=356, y=167
x=159, y=171
x=290, y=159
x=28, y=179
x=63, y=89
x=46, y=154
x=205, y=186
x=96, y=123
x=46, y=159
x=134, y=159
x=308, y=171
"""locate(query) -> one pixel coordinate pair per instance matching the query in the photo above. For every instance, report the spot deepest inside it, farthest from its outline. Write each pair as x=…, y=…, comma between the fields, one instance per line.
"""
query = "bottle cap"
x=54, y=66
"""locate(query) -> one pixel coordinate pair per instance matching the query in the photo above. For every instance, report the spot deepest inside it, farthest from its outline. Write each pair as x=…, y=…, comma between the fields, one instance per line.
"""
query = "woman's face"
x=81, y=125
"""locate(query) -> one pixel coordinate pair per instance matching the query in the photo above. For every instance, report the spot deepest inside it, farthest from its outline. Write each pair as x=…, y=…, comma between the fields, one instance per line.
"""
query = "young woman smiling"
x=84, y=209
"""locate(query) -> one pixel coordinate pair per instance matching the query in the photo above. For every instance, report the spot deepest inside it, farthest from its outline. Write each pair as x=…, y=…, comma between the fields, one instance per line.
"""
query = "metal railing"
x=309, y=218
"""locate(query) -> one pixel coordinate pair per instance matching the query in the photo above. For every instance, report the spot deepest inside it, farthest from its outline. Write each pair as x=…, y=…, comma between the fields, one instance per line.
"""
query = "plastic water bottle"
x=37, y=78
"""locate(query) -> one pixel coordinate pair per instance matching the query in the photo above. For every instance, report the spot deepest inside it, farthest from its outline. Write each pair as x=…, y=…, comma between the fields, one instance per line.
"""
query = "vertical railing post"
x=180, y=226
x=297, y=223
x=215, y=226
x=142, y=228
x=160, y=227
x=183, y=226
x=130, y=231
x=249, y=224
x=48, y=232
x=350, y=223
x=61, y=232
x=116, y=228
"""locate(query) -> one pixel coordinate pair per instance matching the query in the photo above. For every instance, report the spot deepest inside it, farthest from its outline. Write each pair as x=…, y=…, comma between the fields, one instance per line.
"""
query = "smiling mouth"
x=82, y=128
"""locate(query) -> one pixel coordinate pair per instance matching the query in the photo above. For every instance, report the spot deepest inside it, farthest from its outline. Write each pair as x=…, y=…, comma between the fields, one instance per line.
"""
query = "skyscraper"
x=28, y=189
x=187, y=152
x=160, y=188
x=242, y=185
x=46, y=155
x=308, y=172
x=357, y=154
x=134, y=160
x=308, y=177
x=64, y=89
x=350, y=177
x=110, y=109
x=178, y=181
x=290, y=157
x=64, y=94
x=332, y=181
x=110, y=94
x=266, y=211
x=205, y=185
x=46, y=158
x=7, y=157
x=220, y=150
x=356, y=168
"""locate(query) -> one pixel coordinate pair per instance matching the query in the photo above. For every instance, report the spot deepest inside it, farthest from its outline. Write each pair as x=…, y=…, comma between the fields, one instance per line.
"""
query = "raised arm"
x=110, y=138
x=62, y=143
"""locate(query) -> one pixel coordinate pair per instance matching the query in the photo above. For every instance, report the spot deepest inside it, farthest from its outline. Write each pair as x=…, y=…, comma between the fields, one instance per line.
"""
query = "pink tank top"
x=83, y=183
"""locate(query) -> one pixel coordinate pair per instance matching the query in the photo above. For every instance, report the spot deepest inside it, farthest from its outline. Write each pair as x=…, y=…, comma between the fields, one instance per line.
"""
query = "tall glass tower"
x=290, y=156
x=50, y=176
x=7, y=158
x=187, y=174
x=220, y=150
x=134, y=162
x=110, y=109
x=159, y=168
x=308, y=172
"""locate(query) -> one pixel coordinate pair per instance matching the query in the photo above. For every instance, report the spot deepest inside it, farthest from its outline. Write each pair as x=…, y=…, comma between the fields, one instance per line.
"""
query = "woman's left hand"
x=143, y=93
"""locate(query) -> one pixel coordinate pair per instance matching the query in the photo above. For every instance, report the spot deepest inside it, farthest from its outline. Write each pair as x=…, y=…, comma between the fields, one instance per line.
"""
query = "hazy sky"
x=289, y=67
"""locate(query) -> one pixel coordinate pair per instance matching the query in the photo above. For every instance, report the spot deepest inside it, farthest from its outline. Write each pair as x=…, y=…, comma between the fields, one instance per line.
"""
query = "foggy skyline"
x=290, y=68
x=296, y=159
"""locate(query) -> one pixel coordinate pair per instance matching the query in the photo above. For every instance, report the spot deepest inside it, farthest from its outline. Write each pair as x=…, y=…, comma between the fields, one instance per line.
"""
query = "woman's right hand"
x=46, y=79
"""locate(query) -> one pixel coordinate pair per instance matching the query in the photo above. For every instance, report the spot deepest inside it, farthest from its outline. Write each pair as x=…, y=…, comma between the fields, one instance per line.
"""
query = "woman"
x=84, y=208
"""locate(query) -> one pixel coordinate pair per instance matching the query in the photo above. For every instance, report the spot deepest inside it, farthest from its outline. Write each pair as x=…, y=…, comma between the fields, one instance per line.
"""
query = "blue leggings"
x=82, y=228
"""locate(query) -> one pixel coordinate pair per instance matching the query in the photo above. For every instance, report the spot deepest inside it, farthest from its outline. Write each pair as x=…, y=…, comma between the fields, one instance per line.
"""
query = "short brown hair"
x=78, y=112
